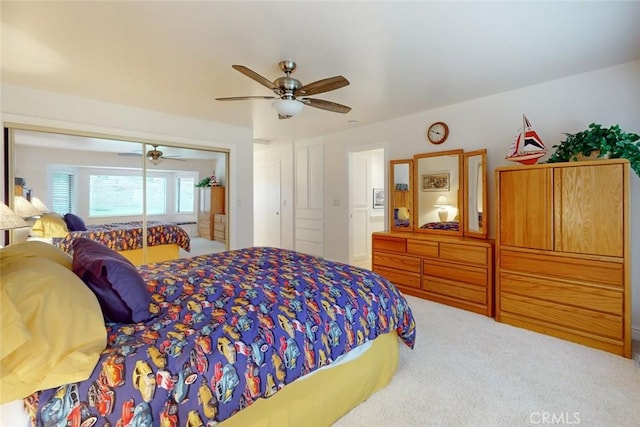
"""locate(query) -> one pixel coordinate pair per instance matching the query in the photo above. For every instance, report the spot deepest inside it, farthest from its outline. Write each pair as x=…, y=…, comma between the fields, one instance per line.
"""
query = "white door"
x=359, y=209
x=266, y=205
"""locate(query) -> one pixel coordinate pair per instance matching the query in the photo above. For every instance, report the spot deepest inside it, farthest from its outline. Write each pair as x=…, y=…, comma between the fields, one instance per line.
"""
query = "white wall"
x=607, y=96
x=34, y=107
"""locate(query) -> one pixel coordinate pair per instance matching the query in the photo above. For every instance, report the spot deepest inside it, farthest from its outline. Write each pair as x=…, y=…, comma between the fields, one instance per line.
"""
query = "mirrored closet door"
x=105, y=180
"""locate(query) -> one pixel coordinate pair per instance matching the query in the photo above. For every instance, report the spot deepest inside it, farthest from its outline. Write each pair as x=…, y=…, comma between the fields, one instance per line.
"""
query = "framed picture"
x=435, y=182
x=378, y=198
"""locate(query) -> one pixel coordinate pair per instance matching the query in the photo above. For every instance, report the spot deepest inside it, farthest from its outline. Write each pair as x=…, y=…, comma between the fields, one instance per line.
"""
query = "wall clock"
x=438, y=133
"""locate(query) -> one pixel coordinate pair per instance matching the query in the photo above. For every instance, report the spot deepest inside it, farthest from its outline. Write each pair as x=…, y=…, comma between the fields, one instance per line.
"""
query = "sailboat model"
x=527, y=146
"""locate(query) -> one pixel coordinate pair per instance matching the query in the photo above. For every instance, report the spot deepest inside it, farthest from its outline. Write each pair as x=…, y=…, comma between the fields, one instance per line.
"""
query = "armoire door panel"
x=526, y=209
x=589, y=217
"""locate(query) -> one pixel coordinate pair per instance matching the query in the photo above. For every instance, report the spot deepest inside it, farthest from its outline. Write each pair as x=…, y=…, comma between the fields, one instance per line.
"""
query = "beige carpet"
x=200, y=246
x=469, y=370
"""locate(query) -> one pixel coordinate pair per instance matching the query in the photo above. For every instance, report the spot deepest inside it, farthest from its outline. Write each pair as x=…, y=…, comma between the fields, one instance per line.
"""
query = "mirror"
x=401, y=205
x=438, y=196
x=475, y=166
x=74, y=172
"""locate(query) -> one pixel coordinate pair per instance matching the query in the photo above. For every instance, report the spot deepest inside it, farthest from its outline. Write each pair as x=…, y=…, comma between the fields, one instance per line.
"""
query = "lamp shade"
x=24, y=208
x=39, y=204
x=441, y=202
x=287, y=107
x=9, y=219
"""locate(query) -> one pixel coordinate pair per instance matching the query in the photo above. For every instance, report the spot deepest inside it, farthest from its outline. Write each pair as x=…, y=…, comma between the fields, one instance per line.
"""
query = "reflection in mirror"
x=99, y=180
x=476, y=197
x=76, y=175
x=402, y=194
x=438, y=196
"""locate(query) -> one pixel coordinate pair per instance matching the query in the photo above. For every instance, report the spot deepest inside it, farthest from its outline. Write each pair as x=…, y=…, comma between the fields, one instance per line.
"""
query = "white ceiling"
x=400, y=57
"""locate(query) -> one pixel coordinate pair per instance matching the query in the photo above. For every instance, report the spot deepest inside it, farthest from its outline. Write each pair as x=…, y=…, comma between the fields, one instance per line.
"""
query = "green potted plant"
x=599, y=142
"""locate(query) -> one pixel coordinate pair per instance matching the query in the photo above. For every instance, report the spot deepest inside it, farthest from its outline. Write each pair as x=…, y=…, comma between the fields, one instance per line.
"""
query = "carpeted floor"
x=469, y=370
x=200, y=246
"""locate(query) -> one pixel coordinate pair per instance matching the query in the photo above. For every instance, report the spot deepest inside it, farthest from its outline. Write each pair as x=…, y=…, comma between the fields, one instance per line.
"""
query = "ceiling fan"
x=291, y=94
x=155, y=156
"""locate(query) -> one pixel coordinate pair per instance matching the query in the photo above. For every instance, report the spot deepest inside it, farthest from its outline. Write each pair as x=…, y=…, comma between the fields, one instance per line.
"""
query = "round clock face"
x=438, y=132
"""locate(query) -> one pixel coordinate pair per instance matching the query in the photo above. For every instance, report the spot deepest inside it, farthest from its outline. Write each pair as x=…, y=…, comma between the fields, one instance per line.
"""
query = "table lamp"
x=24, y=208
x=442, y=204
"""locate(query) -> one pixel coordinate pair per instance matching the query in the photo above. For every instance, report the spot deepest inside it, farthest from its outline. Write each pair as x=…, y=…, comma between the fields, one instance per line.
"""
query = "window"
x=62, y=192
x=120, y=195
x=185, y=197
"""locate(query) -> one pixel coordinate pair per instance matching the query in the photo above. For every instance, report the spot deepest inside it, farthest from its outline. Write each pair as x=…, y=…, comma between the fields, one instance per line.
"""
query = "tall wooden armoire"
x=211, y=215
x=563, y=251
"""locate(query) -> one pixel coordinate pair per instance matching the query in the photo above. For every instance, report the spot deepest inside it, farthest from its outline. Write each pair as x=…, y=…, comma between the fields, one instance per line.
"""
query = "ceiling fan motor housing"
x=287, y=85
x=154, y=154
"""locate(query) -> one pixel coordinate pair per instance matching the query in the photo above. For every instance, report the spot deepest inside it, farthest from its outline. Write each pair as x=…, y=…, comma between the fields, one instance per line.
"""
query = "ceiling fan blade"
x=130, y=154
x=281, y=116
x=172, y=158
x=255, y=76
x=326, y=105
x=320, y=86
x=241, y=98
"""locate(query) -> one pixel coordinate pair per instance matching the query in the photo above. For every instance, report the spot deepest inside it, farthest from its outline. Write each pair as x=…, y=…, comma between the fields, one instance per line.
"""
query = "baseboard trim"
x=635, y=333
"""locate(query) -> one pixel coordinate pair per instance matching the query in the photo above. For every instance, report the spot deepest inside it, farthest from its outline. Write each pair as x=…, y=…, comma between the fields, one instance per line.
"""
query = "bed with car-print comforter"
x=230, y=328
x=125, y=236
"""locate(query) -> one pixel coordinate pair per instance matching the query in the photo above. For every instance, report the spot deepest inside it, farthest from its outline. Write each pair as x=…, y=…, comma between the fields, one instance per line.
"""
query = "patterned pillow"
x=121, y=291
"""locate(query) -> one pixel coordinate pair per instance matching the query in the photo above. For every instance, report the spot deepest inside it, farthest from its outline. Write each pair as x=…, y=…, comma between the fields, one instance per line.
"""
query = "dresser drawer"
x=461, y=291
x=422, y=248
x=219, y=219
x=556, y=265
x=388, y=243
x=599, y=298
x=464, y=253
x=218, y=227
x=564, y=317
x=399, y=262
x=458, y=273
x=398, y=277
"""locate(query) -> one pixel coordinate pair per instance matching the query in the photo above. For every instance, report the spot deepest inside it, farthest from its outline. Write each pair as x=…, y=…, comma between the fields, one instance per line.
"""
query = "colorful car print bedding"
x=445, y=225
x=124, y=236
x=230, y=328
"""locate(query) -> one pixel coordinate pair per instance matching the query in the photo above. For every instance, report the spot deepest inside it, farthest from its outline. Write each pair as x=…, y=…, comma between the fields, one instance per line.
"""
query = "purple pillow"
x=74, y=222
x=121, y=291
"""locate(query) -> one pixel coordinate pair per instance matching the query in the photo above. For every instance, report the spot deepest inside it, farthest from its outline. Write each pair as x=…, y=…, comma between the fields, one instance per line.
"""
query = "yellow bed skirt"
x=154, y=254
x=322, y=398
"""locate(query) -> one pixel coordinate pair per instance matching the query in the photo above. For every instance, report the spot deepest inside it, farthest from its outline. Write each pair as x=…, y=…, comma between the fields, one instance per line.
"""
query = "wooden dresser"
x=211, y=215
x=563, y=251
x=219, y=227
x=456, y=271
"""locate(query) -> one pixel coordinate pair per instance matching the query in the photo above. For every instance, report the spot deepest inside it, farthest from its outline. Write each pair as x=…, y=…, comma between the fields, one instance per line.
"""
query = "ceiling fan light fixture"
x=287, y=107
x=155, y=160
x=155, y=156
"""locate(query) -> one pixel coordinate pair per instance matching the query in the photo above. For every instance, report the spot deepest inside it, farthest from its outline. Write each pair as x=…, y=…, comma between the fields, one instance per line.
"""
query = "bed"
x=255, y=336
x=442, y=225
x=164, y=239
